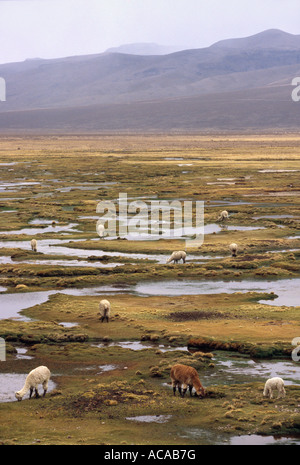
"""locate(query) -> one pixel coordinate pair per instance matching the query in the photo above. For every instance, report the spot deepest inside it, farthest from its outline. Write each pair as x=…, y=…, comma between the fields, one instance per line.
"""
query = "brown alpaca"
x=186, y=376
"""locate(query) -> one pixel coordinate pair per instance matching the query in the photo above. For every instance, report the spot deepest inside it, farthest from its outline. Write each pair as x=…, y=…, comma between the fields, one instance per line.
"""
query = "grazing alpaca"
x=33, y=244
x=104, y=310
x=100, y=230
x=176, y=256
x=39, y=375
x=271, y=385
x=233, y=248
x=186, y=376
x=223, y=216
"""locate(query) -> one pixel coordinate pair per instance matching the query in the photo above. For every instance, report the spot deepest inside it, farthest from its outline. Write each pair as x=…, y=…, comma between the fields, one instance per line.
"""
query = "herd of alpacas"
x=182, y=376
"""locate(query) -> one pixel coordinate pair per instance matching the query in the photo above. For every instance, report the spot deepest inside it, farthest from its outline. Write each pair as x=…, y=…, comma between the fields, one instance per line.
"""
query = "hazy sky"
x=58, y=28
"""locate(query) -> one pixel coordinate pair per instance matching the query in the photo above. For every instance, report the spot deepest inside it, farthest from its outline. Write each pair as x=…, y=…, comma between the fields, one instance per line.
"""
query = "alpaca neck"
x=197, y=385
x=24, y=389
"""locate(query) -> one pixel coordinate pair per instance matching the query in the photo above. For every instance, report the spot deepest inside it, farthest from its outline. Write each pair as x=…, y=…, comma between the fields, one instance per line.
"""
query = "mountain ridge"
x=141, y=48
x=110, y=79
x=270, y=38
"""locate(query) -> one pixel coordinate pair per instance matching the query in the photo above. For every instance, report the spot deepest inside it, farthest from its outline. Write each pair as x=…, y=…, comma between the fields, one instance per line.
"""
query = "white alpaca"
x=33, y=244
x=39, y=375
x=176, y=256
x=100, y=230
x=234, y=248
x=104, y=310
x=223, y=216
x=271, y=385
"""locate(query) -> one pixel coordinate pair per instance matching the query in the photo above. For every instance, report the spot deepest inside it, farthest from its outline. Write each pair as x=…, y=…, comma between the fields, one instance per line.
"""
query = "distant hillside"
x=234, y=83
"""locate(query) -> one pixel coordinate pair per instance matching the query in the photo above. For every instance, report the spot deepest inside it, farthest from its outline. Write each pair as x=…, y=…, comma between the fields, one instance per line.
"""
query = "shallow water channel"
x=286, y=290
x=59, y=247
x=47, y=228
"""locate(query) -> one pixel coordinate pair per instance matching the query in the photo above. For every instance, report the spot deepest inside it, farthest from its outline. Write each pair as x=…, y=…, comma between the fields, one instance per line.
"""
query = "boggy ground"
x=29, y=276
x=214, y=321
x=137, y=382
x=91, y=405
x=96, y=417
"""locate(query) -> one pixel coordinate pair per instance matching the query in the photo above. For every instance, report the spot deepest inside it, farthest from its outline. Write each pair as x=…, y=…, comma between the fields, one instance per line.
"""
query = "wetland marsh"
x=232, y=318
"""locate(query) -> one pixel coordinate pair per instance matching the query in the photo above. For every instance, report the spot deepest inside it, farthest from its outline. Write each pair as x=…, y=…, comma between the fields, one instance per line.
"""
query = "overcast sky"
x=58, y=28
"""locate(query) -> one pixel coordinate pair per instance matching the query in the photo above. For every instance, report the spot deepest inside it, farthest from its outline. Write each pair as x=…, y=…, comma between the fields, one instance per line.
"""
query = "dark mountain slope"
x=253, y=109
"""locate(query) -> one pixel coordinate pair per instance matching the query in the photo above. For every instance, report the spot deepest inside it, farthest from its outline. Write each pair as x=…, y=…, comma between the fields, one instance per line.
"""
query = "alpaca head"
x=18, y=395
x=200, y=392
